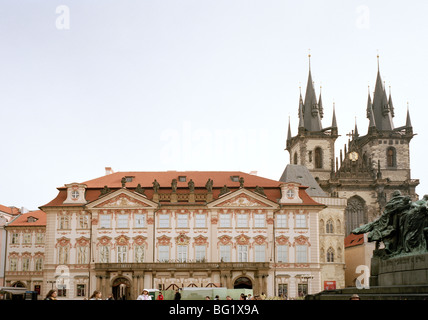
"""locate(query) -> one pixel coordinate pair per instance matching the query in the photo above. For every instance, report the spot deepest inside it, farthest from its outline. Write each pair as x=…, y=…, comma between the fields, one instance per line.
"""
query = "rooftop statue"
x=402, y=227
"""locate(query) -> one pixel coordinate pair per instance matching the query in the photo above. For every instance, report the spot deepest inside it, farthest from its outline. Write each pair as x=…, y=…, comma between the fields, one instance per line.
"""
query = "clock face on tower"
x=353, y=156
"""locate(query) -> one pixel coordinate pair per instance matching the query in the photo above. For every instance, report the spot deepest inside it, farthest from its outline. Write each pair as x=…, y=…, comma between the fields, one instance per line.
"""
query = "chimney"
x=109, y=170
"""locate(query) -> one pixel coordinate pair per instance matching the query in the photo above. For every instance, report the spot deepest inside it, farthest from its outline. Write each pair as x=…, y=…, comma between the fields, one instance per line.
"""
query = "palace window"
x=200, y=220
x=225, y=220
x=242, y=220
x=302, y=289
x=281, y=221
x=295, y=158
x=200, y=252
x=282, y=253
x=64, y=222
x=182, y=221
x=163, y=253
x=282, y=290
x=355, y=213
x=104, y=254
x=182, y=253
x=225, y=253
x=63, y=253
x=260, y=253
x=38, y=264
x=15, y=238
x=300, y=221
x=163, y=220
x=26, y=264
x=242, y=253
x=13, y=264
x=81, y=290
x=84, y=221
x=122, y=220
x=259, y=220
x=140, y=220
x=122, y=254
x=82, y=255
x=301, y=253
x=105, y=221
x=139, y=254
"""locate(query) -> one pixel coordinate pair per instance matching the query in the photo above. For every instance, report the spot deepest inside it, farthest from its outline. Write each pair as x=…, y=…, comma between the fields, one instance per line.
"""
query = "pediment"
x=243, y=198
x=123, y=199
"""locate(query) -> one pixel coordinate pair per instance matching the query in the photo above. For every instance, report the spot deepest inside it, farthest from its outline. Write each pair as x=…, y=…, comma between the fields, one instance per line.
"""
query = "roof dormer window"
x=182, y=178
x=234, y=178
x=31, y=219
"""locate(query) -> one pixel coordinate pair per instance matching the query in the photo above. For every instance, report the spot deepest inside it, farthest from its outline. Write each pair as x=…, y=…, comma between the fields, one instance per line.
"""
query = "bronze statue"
x=241, y=182
x=402, y=227
x=139, y=189
x=123, y=181
x=105, y=190
x=224, y=190
x=209, y=185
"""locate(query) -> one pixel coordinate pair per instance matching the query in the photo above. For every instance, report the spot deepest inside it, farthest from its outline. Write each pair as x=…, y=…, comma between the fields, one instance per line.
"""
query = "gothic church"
x=369, y=168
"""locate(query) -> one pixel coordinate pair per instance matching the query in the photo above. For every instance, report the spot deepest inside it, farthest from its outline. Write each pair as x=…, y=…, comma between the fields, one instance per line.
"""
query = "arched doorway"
x=242, y=283
x=121, y=289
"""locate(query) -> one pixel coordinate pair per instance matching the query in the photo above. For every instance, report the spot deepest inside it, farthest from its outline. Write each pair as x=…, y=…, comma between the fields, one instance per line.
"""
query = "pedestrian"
x=177, y=295
x=52, y=294
x=229, y=298
x=96, y=295
x=144, y=295
x=110, y=297
x=355, y=297
x=263, y=296
x=243, y=297
x=217, y=297
x=207, y=298
x=160, y=296
x=249, y=297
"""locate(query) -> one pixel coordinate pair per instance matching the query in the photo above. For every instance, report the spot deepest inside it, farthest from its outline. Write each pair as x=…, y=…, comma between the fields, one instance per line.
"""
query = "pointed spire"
x=301, y=111
x=312, y=119
x=381, y=111
x=356, y=129
x=408, y=122
x=320, y=107
x=289, y=129
x=333, y=121
x=390, y=105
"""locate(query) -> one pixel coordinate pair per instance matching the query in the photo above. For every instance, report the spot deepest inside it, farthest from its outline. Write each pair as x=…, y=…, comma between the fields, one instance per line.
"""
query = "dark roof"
x=301, y=174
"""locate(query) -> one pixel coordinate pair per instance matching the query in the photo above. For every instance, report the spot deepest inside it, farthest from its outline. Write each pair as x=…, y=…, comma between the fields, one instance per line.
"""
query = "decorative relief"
x=122, y=200
x=282, y=240
x=182, y=239
x=62, y=242
x=242, y=200
x=201, y=240
x=225, y=240
x=260, y=240
x=301, y=240
x=140, y=240
x=242, y=239
x=164, y=240
x=82, y=242
x=122, y=240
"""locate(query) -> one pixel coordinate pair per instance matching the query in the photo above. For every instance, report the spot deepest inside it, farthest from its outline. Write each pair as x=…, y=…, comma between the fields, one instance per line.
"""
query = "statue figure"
x=174, y=185
x=403, y=226
x=191, y=185
x=260, y=190
x=387, y=227
x=224, y=190
x=209, y=185
x=415, y=227
x=123, y=181
x=241, y=182
x=105, y=190
x=156, y=186
x=139, y=189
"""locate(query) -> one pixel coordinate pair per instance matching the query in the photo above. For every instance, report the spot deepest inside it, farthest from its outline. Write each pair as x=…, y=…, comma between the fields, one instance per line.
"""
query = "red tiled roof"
x=10, y=210
x=22, y=221
x=354, y=240
x=164, y=178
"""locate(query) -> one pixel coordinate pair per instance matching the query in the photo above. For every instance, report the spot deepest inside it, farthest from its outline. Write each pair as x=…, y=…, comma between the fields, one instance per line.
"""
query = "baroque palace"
x=126, y=231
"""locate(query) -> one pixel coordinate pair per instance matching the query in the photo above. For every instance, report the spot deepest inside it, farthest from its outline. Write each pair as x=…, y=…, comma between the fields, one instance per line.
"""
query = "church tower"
x=313, y=146
x=369, y=168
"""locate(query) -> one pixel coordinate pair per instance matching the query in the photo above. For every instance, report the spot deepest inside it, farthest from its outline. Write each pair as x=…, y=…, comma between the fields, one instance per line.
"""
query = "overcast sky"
x=192, y=85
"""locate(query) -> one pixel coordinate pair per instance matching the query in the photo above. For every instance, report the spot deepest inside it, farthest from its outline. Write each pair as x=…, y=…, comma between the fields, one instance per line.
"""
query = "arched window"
x=330, y=255
x=318, y=158
x=391, y=157
x=355, y=213
x=329, y=226
x=295, y=158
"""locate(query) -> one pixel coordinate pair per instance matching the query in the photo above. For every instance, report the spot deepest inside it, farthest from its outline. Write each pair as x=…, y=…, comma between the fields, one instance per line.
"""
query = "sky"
x=192, y=85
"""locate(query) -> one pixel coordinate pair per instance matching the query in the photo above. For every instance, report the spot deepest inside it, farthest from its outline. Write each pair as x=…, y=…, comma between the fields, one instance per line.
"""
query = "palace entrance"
x=242, y=283
x=121, y=289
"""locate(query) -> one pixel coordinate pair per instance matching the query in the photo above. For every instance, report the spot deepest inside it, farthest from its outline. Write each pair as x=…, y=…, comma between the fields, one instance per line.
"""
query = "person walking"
x=160, y=296
x=96, y=295
x=52, y=294
x=144, y=295
x=177, y=295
